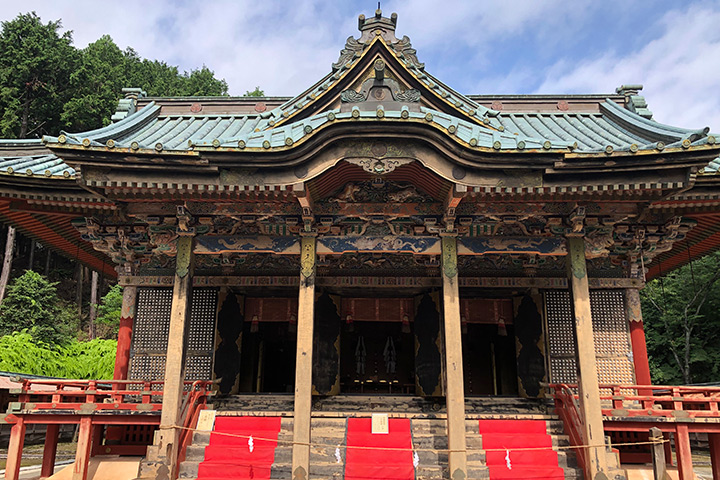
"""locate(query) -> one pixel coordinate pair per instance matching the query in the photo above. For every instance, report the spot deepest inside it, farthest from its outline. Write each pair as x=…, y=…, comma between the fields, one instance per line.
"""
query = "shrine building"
x=378, y=244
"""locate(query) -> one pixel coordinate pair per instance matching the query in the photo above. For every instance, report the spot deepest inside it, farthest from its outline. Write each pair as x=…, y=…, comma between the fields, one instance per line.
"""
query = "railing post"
x=15, y=448
x=683, y=452
x=714, y=444
x=49, y=450
x=658, y=454
x=82, y=455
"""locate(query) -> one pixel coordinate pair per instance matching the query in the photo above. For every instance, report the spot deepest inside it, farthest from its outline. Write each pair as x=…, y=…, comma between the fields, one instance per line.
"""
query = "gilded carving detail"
x=307, y=257
x=184, y=256
x=576, y=251
x=449, y=256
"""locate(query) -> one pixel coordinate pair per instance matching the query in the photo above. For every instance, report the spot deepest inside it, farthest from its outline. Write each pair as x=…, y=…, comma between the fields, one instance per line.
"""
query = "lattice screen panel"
x=610, y=332
x=150, y=334
x=561, y=338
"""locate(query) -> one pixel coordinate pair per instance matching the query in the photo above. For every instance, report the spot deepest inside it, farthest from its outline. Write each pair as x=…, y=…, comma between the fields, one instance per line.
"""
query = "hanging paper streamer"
x=251, y=444
x=507, y=460
x=416, y=460
x=337, y=454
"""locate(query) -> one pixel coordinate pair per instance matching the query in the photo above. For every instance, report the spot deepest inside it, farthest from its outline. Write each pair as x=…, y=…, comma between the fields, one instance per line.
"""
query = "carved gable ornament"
x=380, y=88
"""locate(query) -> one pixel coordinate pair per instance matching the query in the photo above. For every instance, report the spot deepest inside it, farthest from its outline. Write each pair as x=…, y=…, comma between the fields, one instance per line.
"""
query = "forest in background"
x=52, y=324
x=57, y=318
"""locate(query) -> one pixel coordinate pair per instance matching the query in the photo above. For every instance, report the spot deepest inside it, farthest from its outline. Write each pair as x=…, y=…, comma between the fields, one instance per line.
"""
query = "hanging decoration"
x=390, y=356
x=360, y=354
x=251, y=444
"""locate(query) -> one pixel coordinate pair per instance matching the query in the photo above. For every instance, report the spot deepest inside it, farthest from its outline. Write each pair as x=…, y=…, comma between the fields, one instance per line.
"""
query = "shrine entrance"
x=489, y=354
x=377, y=346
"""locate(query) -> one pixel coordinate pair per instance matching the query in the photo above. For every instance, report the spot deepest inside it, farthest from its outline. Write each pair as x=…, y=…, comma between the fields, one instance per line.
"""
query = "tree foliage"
x=682, y=323
x=47, y=85
x=36, y=62
x=255, y=93
x=108, y=319
x=32, y=304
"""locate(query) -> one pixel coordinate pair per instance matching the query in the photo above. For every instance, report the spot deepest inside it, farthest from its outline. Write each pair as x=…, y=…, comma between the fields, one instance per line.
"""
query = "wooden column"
x=303, y=362
x=682, y=450
x=7, y=261
x=168, y=436
x=588, y=389
x=49, y=450
x=15, y=448
x=82, y=455
x=714, y=444
x=637, y=337
x=94, y=285
x=127, y=319
x=455, y=391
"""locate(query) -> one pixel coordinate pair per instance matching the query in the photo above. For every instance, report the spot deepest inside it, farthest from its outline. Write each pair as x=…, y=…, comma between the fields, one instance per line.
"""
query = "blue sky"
x=481, y=46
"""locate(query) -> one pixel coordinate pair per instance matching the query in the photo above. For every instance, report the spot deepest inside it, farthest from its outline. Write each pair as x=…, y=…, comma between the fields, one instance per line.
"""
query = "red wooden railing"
x=659, y=401
x=193, y=404
x=566, y=406
x=63, y=397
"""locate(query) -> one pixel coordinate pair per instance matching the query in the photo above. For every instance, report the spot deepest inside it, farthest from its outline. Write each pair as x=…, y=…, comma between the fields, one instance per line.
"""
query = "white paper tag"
x=380, y=423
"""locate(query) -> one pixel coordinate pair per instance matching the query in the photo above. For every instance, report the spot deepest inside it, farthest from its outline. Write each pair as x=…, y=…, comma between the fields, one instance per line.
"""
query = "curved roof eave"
x=101, y=136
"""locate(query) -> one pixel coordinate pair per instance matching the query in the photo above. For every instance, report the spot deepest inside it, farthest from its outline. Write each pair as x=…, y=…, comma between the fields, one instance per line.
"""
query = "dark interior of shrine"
x=372, y=351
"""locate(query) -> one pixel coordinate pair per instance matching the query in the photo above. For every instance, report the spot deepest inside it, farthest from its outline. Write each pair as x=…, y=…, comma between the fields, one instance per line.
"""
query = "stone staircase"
x=428, y=424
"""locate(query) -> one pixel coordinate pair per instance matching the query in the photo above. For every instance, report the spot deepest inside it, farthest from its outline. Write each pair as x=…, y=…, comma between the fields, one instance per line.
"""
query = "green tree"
x=35, y=66
x=682, y=323
x=95, y=85
x=32, y=304
x=255, y=93
x=46, y=84
x=108, y=319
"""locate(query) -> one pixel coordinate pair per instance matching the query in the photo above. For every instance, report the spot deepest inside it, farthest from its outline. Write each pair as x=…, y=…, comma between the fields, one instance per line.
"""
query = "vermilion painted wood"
x=640, y=355
x=49, y=450
x=682, y=450
x=17, y=440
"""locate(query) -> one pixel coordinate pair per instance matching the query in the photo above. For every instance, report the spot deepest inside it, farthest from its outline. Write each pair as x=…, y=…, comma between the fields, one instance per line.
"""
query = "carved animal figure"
x=404, y=195
x=348, y=194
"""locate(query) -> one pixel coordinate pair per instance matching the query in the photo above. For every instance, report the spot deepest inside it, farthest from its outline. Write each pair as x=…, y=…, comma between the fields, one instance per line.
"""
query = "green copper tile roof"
x=614, y=129
x=43, y=164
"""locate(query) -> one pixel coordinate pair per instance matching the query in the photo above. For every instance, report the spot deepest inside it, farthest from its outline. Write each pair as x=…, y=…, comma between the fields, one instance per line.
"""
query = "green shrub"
x=94, y=359
x=32, y=304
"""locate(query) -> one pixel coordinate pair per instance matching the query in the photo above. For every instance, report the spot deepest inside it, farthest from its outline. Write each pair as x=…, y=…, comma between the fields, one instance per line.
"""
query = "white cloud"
x=680, y=70
x=284, y=47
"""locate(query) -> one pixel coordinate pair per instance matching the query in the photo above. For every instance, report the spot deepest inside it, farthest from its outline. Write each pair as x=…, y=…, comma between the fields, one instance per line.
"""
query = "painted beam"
x=389, y=282
x=214, y=244
x=395, y=244
x=511, y=245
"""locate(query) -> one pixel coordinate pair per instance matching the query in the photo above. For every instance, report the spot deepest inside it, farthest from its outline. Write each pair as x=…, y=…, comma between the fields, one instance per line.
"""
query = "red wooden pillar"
x=127, y=319
x=714, y=440
x=637, y=337
x=50, y=450
x=15, y=448
x=84, y=445
x=668, y=449
x=682, y=450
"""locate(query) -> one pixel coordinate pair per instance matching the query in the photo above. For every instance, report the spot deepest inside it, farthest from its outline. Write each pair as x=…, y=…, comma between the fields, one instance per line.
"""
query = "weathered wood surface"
x=593, y=433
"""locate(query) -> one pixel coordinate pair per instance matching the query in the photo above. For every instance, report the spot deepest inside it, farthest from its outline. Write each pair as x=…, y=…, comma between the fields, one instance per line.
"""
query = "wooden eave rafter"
x=56, y=232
